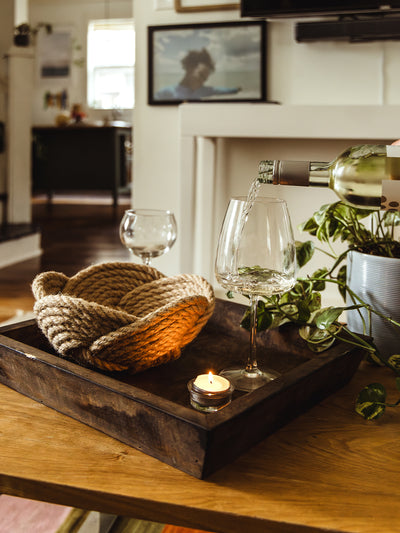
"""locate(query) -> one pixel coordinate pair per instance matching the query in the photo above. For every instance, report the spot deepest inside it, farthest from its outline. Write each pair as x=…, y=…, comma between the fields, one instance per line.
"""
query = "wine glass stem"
x=146, y=261
x=251, y=366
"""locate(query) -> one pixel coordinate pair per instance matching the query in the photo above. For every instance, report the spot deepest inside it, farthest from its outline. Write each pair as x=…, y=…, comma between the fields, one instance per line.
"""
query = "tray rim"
x=205, y=421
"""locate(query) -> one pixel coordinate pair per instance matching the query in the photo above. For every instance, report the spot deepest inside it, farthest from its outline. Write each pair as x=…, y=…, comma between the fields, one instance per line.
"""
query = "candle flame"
x=210, y=377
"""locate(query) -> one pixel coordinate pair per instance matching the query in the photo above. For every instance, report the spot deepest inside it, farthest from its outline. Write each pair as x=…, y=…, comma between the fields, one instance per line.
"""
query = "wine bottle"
x=365, y=176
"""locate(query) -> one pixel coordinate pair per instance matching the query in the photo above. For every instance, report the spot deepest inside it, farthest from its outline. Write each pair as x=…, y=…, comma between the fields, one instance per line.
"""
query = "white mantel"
x=289, y=121
x=203, y=129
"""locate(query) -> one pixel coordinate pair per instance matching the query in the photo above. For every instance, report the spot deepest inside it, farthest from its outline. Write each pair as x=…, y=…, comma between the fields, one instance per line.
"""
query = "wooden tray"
x=151, y=411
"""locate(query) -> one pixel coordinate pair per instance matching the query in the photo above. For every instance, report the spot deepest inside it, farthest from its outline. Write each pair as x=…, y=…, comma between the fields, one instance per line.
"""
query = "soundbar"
x=352, y=30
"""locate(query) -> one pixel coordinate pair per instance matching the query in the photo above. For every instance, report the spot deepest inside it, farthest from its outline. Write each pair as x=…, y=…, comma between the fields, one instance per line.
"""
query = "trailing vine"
x=321, y=326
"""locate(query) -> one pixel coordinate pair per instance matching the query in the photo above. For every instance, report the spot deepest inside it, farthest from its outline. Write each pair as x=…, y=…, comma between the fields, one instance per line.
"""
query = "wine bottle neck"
x=305, y=173
x=266, y=171
x=319, y=174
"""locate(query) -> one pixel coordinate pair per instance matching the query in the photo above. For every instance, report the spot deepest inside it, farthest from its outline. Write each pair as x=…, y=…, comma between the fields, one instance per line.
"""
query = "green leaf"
x=394, y=361
x=341, y=277
x=370, y=403
x=310, y=226
x=304, y=312
x=320, y=275
x=323, y=232
x=302, y=287
x=327, y=317
x=288, y=310
x=314, y=301
x=279, y=320
x=230, y=295
x=320, y=215
x=264, y=320
x=245, y=323
x=374, y=357
x=391, y=218
x=318, y=340
x=333, y=228
x=287, y=297
x=341, y=211
x=304, y=252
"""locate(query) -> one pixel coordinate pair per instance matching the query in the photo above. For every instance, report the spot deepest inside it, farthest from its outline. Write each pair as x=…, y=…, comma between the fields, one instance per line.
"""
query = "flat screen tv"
x=315, y=8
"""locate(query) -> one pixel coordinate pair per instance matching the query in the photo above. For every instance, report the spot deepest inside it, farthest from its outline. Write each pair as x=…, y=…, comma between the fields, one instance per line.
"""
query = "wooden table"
x=328, y=470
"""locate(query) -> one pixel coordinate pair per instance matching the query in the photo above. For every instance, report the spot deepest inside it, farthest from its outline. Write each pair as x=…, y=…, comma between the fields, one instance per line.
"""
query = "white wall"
x=332, y=72
x=73, y=16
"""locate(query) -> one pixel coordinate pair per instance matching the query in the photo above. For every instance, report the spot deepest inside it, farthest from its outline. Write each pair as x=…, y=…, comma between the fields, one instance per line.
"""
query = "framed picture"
x=211, y=62
x=183, y=6
x=54, y=52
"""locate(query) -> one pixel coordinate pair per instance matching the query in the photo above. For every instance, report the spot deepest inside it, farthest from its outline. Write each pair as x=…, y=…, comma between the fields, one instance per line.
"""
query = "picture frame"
x=54, y=54
x=209, y=62
x=185, y=6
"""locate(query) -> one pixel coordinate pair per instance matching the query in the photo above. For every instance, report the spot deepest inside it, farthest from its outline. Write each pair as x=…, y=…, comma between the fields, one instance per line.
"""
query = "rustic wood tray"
x=151, y=411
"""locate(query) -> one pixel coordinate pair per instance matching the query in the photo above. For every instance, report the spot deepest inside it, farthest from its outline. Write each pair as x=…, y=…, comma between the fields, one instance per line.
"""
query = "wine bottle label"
x=393, y=150
x=390, y=195
x=393, y=162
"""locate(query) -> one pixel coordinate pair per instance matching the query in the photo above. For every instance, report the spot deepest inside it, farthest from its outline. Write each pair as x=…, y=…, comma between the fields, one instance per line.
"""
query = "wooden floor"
x=76, y=232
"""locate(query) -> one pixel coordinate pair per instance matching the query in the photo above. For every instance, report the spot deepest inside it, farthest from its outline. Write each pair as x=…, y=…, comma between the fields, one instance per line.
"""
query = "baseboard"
x=20, y=249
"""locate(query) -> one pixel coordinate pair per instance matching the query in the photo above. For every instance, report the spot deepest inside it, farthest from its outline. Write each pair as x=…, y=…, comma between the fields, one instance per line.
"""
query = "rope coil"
x=121, y=316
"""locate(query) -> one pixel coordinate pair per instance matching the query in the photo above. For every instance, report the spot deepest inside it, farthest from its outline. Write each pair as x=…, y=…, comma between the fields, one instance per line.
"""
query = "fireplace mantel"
x=202, y=124
x=290, y=121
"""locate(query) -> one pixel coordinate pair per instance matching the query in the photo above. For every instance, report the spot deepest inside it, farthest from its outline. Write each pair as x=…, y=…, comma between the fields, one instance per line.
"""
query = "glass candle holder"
x=209, y=393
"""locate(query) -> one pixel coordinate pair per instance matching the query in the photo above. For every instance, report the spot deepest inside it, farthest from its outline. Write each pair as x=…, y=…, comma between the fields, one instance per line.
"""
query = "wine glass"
x=256, y=256
x=148, y=233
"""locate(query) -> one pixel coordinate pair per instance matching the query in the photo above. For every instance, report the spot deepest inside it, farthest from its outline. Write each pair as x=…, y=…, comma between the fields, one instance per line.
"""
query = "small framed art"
x=183, y=6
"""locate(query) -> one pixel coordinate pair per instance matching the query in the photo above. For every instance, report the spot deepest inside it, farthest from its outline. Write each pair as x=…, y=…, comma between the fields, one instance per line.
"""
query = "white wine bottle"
x=366, y=176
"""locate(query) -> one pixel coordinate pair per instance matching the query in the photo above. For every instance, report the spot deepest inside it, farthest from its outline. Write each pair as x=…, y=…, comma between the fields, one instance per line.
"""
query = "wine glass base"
x=248, y=381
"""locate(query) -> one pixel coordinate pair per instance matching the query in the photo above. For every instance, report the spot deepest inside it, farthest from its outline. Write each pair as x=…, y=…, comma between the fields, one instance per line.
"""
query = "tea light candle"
x=210, y=383
x=210, y=393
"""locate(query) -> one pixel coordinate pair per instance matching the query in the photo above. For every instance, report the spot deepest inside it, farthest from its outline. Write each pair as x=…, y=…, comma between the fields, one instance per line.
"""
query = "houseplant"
x=366, y=232
x=24, y=32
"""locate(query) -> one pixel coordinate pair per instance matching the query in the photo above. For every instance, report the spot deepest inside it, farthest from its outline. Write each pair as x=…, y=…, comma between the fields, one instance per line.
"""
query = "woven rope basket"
x=121, y=316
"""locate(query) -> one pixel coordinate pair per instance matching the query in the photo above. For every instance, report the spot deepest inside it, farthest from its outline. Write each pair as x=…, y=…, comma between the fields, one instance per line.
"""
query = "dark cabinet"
x=80, y=157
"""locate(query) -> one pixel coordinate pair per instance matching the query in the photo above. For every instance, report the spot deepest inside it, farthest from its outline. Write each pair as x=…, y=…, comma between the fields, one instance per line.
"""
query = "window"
x=111, y=64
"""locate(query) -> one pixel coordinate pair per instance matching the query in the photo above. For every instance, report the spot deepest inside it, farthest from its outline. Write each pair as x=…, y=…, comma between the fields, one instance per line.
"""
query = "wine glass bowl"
x=148, y=233
x=255, y=257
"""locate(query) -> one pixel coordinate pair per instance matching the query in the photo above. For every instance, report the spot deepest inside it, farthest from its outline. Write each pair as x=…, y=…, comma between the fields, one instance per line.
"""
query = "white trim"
x=21, y=249
x=290, y=122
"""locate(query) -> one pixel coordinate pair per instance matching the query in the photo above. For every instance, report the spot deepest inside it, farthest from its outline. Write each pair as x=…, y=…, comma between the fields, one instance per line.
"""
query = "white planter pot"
x=376, y=280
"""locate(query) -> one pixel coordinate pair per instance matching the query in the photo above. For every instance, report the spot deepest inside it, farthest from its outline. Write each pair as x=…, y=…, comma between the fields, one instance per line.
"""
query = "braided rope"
x=121, y=316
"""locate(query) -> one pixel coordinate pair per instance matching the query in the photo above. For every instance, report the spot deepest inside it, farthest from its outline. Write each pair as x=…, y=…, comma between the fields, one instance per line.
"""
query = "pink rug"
x=19, y=515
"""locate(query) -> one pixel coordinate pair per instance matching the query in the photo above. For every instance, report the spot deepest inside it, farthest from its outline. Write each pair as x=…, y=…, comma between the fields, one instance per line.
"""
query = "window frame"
x=91, y=65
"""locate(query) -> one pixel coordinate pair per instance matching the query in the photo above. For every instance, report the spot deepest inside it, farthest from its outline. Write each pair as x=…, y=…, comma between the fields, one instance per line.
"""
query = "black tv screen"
x=314, y=8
